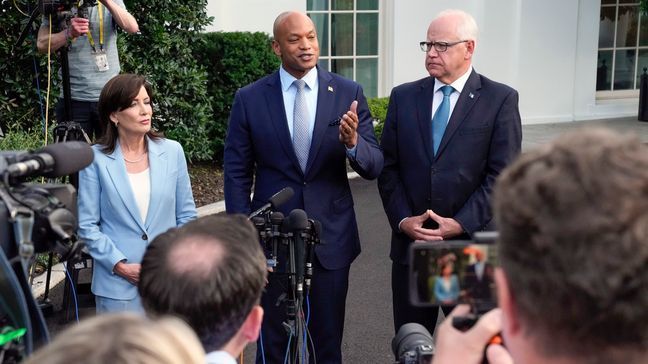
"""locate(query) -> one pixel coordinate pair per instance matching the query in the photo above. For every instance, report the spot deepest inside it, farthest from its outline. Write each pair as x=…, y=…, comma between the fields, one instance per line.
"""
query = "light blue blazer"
x=109, y=220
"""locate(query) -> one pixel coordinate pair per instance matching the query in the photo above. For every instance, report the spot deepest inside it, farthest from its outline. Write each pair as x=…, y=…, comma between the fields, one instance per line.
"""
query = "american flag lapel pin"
x=330, y=89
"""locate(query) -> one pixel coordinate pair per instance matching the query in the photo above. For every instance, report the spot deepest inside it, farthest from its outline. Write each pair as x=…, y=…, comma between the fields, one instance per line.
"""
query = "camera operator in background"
x=210, y=273
x=92, y=56
x=573, y=233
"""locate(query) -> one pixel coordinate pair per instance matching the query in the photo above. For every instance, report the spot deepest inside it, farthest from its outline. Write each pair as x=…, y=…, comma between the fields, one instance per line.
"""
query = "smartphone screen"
x=453, y=272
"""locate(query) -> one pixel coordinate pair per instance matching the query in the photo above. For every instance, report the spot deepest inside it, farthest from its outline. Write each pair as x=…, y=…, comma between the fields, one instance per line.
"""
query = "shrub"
x=23, y=70
x=19, y=139
x=233, y=61
x=378, y=108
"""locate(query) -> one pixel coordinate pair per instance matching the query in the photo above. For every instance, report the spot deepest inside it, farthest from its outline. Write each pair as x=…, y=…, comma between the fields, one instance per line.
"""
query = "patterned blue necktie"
x=440, y=119
x=301, y=137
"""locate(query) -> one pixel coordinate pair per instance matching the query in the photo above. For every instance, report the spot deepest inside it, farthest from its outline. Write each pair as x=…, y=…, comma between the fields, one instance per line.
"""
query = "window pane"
x=367, y=35
x=606, y=27
x=342, y=5
x=624, y=61
x=323, y=63
x=317, y=5
x=627, y=26
x=343, y=67
x=321, y=26
x=603, y=2
x=643, y=31
x=367, y=5
x=367, y=76
x=604, y=71
x=643, y=63
x=342, y=34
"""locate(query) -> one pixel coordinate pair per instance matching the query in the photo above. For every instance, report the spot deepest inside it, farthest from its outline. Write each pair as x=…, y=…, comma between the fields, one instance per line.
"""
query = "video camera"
x=444, y=274
x=48, y=7
x=34, y=218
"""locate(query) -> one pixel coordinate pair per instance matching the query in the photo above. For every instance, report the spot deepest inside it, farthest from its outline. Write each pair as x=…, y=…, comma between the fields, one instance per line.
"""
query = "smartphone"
x=452, y=272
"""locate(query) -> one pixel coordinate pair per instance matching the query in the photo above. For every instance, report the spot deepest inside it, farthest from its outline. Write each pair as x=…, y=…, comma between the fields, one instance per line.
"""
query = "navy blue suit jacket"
x=483, y=135
x=258, y=148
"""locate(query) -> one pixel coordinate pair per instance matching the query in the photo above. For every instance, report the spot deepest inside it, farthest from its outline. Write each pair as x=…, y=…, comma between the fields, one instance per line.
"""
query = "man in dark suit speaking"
x=445, y=140
x=296, y=128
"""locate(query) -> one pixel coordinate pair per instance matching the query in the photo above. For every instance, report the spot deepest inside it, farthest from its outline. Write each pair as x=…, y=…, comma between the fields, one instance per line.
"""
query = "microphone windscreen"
x=298, y=219
x=281, y=197
x=69, y=157
x=276, y=218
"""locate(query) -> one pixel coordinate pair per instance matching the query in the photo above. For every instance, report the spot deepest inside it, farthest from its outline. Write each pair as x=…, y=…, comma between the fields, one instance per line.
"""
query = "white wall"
x=248, y=15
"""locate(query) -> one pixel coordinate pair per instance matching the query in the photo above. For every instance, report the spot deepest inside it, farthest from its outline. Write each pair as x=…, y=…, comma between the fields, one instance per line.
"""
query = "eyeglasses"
x=439, y=46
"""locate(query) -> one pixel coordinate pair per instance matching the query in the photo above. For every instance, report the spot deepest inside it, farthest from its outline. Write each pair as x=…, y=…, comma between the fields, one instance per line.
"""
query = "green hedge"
x=19, y=99
x=378, y=108
x=233, y=60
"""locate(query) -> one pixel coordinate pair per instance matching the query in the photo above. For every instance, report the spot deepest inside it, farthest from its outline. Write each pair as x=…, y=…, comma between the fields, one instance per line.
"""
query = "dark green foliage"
x=233, y=61
x=164, y=53
x=19, y=98
x=378, y=108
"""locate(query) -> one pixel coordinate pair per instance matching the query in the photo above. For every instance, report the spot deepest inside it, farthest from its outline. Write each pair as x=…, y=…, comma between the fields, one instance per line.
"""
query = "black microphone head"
x=69, y=157
x=298, y=219
x=281, y=197
x=276, y=218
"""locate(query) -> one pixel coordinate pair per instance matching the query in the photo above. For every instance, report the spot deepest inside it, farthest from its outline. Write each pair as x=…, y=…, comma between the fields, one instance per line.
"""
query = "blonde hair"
x=123, y=338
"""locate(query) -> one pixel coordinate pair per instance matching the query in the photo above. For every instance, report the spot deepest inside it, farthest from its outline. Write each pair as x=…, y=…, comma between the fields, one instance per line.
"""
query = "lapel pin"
x=330, y=89
x=471, y=95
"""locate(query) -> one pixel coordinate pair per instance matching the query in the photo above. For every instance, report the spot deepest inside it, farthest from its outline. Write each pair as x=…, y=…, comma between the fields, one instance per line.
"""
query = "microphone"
x=298, y=224
x=276, y=200
x=276, y=221
x=55, y=160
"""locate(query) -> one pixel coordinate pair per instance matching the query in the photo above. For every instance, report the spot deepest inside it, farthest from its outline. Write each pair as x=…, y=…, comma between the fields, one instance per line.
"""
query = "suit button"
x=144, y=237
x=304, y=183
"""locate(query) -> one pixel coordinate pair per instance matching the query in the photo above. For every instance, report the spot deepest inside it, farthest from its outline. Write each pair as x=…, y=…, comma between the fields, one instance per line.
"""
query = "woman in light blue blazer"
x=136, y=188
x=446, y=285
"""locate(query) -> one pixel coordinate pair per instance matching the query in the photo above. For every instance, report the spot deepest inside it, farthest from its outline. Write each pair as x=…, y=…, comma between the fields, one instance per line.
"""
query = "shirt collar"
x=287, y=79
x=458, y=84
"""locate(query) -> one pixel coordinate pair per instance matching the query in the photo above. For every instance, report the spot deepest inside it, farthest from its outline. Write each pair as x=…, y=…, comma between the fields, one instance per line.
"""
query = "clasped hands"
x=413, y=227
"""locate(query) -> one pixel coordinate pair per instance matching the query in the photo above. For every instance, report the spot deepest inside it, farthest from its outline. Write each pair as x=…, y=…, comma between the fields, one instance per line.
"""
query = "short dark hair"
x=209, y=272
x=118, y=94
x=573, y=223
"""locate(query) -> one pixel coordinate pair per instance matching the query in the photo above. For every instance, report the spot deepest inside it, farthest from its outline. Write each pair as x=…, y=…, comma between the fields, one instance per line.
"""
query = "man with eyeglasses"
x=445, y=140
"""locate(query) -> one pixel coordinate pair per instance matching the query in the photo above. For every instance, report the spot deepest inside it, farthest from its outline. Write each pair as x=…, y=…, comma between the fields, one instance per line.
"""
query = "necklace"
x=137, y=160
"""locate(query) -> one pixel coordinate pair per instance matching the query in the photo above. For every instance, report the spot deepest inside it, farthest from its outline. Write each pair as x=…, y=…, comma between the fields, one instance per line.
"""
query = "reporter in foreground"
x=573, y=224
x=123, y=338
x=137, y=188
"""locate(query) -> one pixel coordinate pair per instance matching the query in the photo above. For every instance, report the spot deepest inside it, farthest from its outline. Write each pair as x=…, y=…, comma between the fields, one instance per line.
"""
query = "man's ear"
x=506, y=301
x=470, y=49
x=276, y=48
x=252, y=324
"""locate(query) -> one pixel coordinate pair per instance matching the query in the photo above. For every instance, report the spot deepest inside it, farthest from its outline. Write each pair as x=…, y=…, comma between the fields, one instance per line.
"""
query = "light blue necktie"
x=440, y=119
x=301, y=139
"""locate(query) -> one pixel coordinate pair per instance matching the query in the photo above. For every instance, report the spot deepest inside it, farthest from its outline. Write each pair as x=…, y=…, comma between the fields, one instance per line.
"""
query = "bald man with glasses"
x=445, y=140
